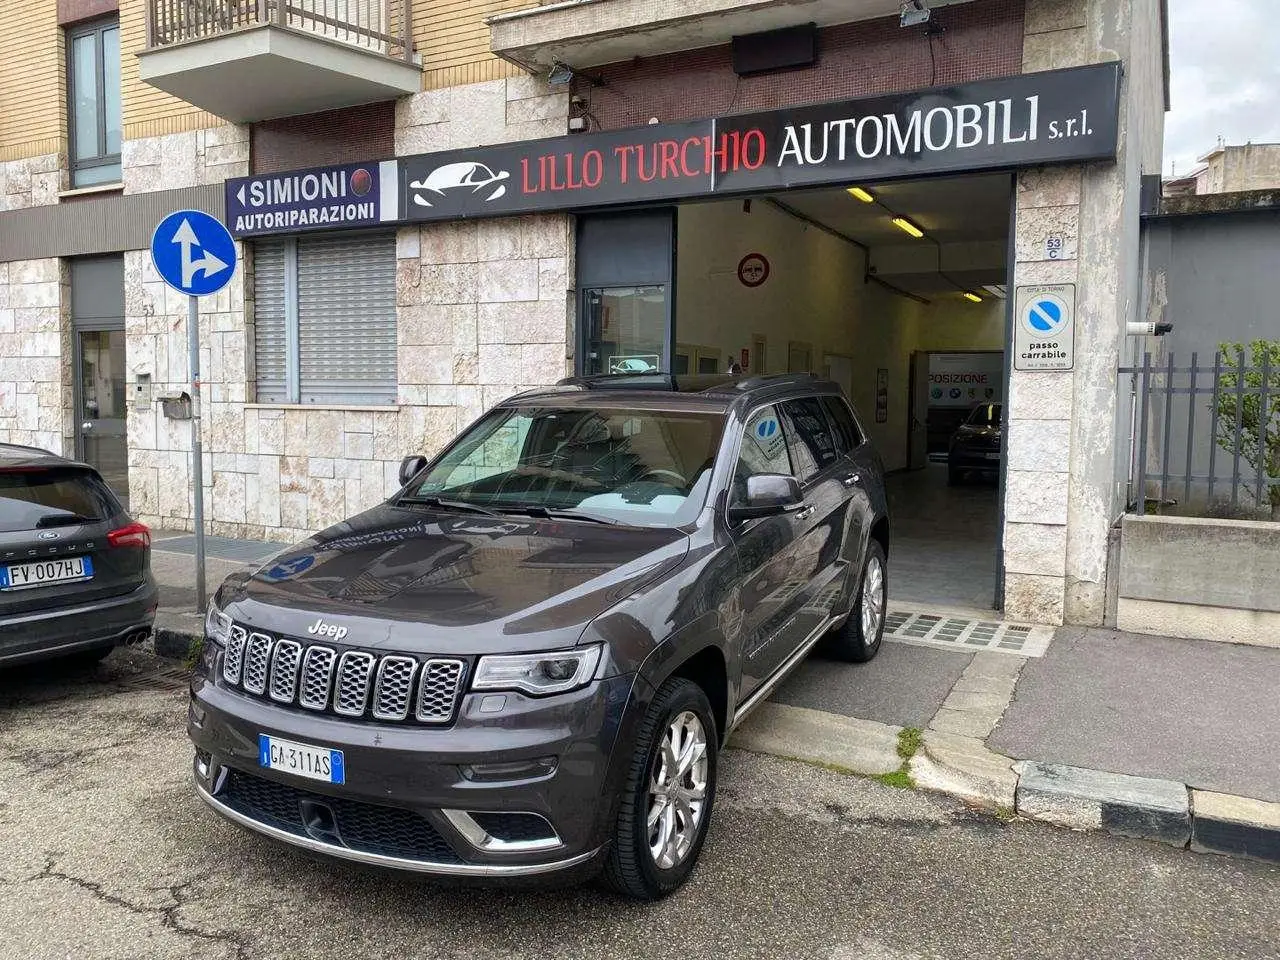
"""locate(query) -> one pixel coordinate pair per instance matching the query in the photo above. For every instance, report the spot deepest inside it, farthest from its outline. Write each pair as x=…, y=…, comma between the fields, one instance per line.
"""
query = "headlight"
x=217, y=625
x=538, y=673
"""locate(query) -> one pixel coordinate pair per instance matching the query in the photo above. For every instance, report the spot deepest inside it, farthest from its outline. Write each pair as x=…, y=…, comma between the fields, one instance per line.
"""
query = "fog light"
x=203, y=759
x=515, y=770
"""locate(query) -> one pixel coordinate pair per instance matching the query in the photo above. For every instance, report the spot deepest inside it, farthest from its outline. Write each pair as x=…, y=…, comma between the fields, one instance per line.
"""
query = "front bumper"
x=974, y=458
x=64, y=630
x=411, y=791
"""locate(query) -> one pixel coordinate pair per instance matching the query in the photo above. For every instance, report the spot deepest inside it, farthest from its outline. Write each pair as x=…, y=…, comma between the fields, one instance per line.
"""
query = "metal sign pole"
x=197, y=463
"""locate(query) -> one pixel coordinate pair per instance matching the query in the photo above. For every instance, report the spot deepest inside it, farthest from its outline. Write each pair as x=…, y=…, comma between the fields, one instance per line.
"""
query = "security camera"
x=1155, y=329
x=913, y=12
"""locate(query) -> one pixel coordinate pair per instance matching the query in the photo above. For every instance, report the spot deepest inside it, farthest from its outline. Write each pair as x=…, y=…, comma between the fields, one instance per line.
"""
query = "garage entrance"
x=895, y=291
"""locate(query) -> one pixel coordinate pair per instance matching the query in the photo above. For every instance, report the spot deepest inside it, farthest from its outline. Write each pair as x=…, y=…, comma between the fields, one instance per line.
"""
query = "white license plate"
x=992, y=456
x=20, y=576
x=301, y=759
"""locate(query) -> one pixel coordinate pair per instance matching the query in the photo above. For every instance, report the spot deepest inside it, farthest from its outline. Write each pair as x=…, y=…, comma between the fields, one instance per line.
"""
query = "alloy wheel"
x=677, y=790
x=873, y=600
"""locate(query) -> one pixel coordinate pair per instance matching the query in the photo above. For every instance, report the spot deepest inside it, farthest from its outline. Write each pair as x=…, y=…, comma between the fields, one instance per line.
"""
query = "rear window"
x=813, y=448
x=59, y=496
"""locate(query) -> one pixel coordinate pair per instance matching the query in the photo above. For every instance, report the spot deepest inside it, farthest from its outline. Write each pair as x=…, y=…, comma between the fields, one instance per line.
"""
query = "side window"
x=848, y=436
x=813, y=448
x=764, y=450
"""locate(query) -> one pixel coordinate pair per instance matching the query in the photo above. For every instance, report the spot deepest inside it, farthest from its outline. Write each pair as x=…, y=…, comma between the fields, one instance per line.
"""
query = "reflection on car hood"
x=454, y=582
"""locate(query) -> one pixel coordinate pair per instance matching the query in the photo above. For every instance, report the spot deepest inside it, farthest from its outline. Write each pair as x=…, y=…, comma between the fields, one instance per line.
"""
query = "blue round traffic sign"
x=193, y=252
x=1045, y=316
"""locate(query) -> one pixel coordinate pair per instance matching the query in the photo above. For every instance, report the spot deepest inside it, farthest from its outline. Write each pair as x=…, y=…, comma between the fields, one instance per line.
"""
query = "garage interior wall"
x=815, y=294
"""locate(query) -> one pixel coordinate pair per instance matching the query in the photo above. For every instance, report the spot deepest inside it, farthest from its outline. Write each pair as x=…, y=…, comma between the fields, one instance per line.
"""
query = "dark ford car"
x=75, y=570
x=528, y=660
x=975, y=446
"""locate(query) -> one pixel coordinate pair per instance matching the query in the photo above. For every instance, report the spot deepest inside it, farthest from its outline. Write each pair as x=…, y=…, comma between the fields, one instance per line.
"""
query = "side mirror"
x=410, y=466
x=768, y=494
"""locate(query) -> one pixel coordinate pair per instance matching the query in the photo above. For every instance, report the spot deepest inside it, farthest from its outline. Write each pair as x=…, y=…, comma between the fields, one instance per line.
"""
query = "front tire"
x=670, y=789
x=859, y=639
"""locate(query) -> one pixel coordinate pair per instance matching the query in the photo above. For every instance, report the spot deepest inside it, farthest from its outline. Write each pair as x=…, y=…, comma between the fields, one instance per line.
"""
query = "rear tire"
x=859, y=639
x=666, y=803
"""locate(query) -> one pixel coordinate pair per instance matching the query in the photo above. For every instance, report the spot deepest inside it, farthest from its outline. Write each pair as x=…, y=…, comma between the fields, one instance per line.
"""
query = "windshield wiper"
x=544, y=513
x=444, y=503
x=63, y=520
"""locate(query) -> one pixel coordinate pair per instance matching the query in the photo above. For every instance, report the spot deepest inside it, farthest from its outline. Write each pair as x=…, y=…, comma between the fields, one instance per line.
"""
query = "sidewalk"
x=1171, y=740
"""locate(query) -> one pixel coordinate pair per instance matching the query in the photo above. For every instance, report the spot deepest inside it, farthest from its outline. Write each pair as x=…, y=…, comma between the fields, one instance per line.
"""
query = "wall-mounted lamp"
x=903, y=223
x=863, y=195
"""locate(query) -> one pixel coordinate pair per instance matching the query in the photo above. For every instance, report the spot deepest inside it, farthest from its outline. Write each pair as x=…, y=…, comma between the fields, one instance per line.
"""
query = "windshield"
x=641, y=467
x=986, y=415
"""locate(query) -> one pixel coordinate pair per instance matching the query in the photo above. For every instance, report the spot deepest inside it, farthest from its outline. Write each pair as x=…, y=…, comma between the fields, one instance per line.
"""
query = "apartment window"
x=93, y=91
x=325, y=319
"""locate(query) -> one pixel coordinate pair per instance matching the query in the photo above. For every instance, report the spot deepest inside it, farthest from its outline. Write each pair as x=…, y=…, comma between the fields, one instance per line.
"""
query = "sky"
x=1225, y=76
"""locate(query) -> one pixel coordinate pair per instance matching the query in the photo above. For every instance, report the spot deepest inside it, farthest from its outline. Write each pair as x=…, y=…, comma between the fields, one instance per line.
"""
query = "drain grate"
x=166, y=678
x=964, y=633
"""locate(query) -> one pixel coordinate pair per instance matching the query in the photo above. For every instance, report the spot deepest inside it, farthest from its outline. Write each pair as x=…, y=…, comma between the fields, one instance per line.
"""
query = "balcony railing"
x=379, y=26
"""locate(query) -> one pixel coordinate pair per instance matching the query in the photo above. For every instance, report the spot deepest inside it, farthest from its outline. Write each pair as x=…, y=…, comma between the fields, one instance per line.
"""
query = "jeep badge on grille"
x=322, y=629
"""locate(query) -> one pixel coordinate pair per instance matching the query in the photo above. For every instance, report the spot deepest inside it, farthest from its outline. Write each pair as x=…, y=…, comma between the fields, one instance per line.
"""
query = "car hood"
x=444, y=582
x=968, y=432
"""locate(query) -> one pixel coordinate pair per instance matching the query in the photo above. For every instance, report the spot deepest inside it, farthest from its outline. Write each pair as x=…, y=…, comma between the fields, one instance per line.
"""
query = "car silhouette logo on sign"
x=452, y=185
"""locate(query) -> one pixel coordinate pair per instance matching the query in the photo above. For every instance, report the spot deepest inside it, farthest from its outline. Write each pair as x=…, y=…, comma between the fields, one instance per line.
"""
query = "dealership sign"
x=323, y=198
x=1055, y=117
x=1061, y=116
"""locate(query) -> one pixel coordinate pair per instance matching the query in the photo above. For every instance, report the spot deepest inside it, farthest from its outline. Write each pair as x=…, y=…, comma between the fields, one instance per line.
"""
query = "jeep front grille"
x=351, y=683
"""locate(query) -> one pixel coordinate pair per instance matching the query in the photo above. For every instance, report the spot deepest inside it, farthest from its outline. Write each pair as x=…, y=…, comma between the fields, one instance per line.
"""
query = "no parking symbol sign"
x=1044, y=328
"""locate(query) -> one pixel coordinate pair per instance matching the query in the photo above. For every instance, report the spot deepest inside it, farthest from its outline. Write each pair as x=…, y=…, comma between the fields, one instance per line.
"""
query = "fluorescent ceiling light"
x=970, y=295
x=905, y=224
x=861, y=194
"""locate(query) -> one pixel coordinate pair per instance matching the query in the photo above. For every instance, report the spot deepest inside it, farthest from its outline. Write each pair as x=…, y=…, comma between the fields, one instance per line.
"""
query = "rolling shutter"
x=347, y=319
x=269, y=323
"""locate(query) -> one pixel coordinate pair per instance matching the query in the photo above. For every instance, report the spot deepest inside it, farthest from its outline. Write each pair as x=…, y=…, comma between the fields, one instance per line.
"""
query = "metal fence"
x=1205, y=437
x=382, y=26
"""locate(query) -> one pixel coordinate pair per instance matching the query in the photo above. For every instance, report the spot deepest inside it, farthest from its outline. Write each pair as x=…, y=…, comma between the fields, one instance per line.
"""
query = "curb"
x=177, y=634
x=1164, y=811
x=798, y=733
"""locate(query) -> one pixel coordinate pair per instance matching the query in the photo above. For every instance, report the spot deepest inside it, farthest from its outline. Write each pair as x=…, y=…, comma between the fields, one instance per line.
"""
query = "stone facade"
x=482, y=311
x=32, y=181
x=188, y=159
x=35, y=368
x=1061, y=491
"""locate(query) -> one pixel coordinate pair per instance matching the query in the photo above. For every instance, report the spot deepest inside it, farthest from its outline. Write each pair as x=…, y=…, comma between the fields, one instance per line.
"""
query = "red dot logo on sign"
x=361, y=182
x=753, y=269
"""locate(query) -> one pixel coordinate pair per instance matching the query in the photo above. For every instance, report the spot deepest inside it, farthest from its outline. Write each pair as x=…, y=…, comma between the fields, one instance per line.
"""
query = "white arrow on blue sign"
x=193, y=253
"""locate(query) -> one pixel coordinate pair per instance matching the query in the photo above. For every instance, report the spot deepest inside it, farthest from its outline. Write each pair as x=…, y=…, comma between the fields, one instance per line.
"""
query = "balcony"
x=247, y=60
x=590, y=33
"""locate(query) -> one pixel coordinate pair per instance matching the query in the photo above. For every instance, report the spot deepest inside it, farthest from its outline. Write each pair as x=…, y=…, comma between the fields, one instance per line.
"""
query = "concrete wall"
x=815, y=294
x=1213, y=277
x=1200, y=578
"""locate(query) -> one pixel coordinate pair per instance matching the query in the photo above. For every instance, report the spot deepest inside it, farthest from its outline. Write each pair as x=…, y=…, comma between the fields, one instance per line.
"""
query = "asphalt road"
x=105, y=852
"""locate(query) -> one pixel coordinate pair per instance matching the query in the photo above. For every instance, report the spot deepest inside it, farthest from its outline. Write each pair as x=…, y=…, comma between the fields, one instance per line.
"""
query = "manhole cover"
x=963, y=633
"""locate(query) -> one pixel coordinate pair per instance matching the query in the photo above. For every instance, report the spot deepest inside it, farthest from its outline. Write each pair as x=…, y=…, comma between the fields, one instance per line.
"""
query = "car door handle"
x=851, y=479
x=804, y=513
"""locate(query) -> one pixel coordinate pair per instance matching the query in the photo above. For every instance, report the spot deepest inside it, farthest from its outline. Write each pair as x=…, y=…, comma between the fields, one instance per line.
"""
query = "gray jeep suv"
x=528, y=660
